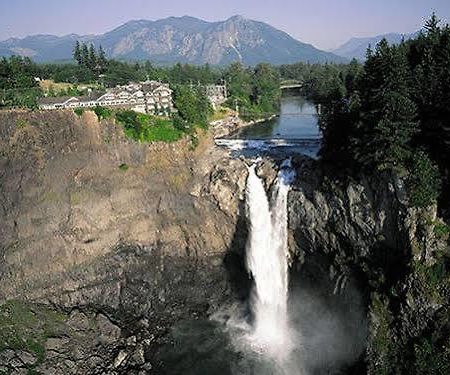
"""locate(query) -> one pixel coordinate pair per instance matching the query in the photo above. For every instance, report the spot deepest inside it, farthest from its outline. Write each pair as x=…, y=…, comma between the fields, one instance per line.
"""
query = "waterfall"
x=267, y=253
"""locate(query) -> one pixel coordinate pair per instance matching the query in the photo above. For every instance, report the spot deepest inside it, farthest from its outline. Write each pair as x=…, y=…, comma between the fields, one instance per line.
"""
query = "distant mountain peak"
x=236, y=17
x=356, y=47
x=183, y=39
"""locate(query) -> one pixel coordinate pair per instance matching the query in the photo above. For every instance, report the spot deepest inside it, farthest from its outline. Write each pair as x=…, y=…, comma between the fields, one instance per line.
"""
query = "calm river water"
x=297, y=120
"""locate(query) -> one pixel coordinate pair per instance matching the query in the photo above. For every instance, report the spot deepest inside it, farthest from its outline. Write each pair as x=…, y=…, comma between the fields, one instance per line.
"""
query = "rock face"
x=353, y=218
x=66, y=202
x=181, y=39
x=338, y=215
x=123, y=253
x=142, y=246
x=363, y=231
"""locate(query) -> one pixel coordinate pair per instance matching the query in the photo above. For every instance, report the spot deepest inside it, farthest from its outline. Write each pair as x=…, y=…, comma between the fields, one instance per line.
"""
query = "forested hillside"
x=393, y=112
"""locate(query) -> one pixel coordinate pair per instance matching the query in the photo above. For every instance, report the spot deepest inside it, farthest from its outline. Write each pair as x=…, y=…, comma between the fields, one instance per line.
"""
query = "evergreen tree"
x=77, y=52
x=391, y=143
x=102, y=61
x=432, y=26
x=84, y=55
x=266, y=88
x=92, y=58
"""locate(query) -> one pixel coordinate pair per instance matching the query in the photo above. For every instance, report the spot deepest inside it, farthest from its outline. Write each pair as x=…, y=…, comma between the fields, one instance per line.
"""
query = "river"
x=295, y=130
x=297, y=119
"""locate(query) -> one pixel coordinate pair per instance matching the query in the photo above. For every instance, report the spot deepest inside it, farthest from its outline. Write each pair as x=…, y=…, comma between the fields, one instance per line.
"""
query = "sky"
x=323, y=23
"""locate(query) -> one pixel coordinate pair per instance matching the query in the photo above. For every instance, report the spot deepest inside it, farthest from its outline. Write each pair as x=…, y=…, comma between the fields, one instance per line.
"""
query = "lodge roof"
x=64, y=99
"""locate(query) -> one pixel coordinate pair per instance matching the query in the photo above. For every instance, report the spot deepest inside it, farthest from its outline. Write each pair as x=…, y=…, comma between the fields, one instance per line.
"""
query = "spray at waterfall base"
x=294, y=325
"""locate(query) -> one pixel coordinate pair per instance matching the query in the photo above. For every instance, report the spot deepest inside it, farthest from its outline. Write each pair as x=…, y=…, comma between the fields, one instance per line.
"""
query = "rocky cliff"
x=106, y=243
x=363, y=232
x=120, y=234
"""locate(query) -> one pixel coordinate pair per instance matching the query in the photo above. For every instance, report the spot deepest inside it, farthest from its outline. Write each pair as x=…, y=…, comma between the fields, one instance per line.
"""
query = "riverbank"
x=224, y=127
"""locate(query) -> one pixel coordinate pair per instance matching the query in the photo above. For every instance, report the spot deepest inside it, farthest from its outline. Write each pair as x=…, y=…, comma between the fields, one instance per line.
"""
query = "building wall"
x=158, y=102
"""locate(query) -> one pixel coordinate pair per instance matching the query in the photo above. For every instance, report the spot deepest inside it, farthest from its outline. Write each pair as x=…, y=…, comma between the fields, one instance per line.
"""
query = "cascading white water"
x=267, y=253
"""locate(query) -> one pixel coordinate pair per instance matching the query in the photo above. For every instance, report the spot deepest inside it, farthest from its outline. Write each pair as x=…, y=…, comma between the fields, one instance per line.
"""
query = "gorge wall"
x=121, y=240
x=93, y=223
x=363, y=232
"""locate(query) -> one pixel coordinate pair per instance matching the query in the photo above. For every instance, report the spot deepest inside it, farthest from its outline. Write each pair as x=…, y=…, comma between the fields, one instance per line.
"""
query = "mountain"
x=357, y=47
x=180, y=39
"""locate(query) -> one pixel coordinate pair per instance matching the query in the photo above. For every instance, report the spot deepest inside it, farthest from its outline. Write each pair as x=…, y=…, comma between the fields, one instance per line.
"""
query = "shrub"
x=383, y=352
x=78, y=111
x=441, y=230
x=424, y=181
x=146, y=128
x=123, y=167
x=102, y=112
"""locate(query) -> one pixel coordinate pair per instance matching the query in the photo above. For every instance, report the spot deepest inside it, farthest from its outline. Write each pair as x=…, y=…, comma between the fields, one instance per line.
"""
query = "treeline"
x=255, y=91
x=88, y=57
x=390, y=113
x=18, y=86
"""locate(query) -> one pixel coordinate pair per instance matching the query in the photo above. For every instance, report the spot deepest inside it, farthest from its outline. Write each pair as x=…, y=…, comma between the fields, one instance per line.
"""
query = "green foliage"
x=424, y=181
x=390, y=113
x=432, y=275
x=442, y=230
x=123, y=167
x=25, y=326
x=146, y=128
x=102, y=112
x=18, y=87
x=87, y=56
x=383, y=352
x=79, y=111
x=129, y=119
x=21, y=123
x=432, y=359
x=69, y=91
x=256, y=91
x=193, y=108
x=186, y=74
x=68, y=73
x=392, y=134
x=120, y=73
x=435, y=279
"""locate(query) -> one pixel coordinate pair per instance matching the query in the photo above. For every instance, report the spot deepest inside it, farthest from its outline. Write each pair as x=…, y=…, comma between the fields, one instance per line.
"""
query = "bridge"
x=291, y=84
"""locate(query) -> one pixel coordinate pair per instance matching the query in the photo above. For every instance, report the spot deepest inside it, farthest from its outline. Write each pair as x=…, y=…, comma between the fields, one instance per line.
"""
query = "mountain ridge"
x=183, y=39
x=356, y=47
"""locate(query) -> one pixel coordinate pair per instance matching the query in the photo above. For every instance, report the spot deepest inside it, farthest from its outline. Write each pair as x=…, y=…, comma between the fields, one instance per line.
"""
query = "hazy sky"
x=324, y=23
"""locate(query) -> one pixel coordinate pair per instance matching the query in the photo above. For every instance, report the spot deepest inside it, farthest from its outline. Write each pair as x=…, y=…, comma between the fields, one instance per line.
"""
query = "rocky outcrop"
x=334, y=213
x=74, y=188
x=364, y=232
x=94, y=222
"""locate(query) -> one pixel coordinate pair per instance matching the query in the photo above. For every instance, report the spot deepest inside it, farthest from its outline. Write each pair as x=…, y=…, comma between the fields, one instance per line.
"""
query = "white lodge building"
x=147, y=97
